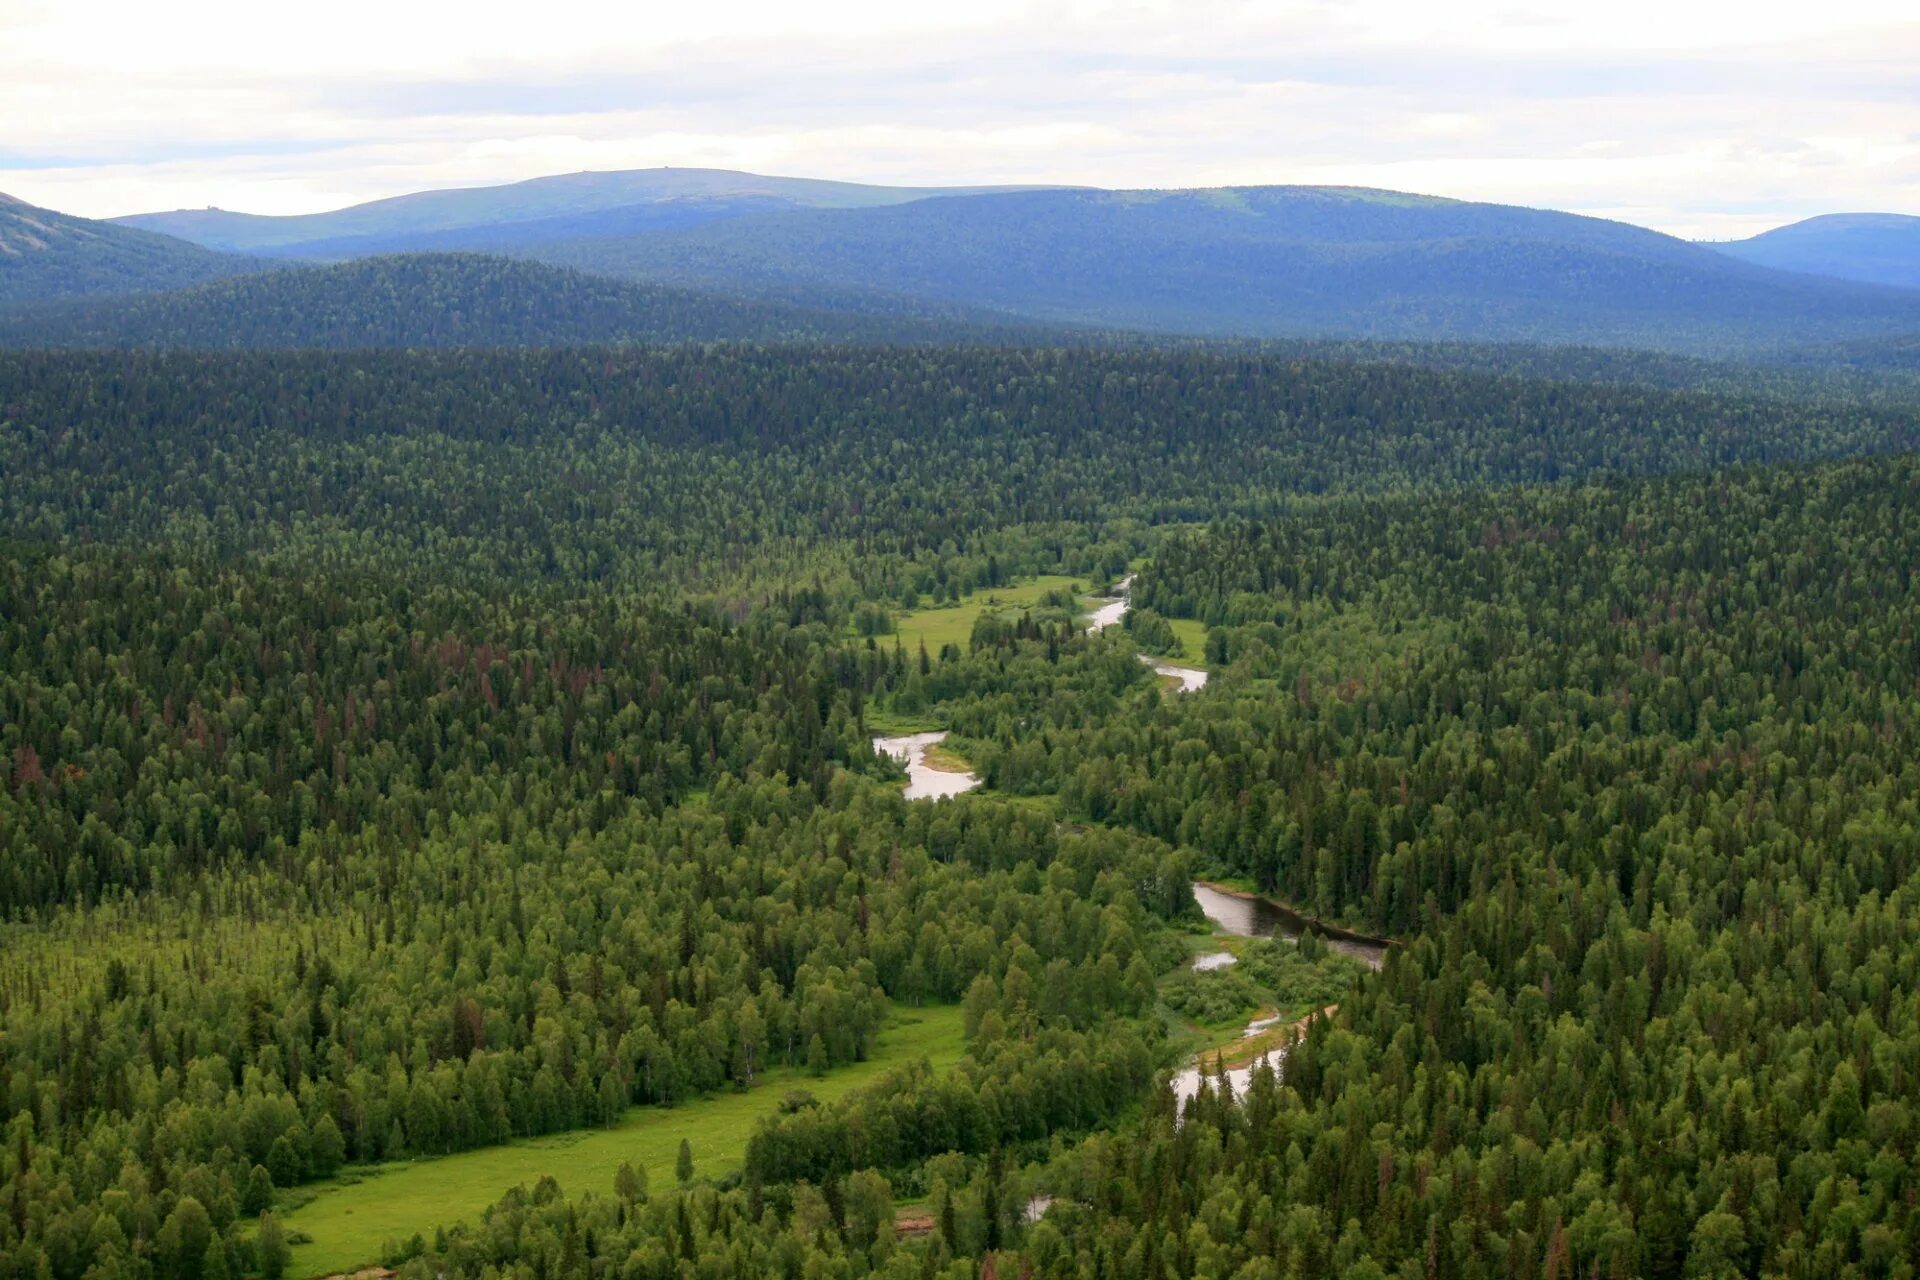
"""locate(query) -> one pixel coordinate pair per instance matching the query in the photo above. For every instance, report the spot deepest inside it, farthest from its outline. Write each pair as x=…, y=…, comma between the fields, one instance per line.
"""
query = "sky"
x=1704, y=119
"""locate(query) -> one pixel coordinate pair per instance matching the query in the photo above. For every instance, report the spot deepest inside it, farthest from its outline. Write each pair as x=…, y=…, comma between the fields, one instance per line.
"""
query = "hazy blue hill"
x=539, y=208
x=1275, y=261
x=1251, y=262
x=658, y=215
x=46, y=255
x=1894, y=353
x=1880, y=248
x=447, y=300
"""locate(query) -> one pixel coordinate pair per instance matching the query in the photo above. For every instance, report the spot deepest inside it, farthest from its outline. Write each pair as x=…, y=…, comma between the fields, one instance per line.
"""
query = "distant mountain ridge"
x=1878, y=248
x=1258, y=263
x=1267, y=262
x=46, y=255
x=586, y=203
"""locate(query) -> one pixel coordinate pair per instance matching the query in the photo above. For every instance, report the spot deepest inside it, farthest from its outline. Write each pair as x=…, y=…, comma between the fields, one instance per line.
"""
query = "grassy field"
x=1192, y=635
x=939, y=758
x=886, y=724
x=953, y=624
x=349, y=1220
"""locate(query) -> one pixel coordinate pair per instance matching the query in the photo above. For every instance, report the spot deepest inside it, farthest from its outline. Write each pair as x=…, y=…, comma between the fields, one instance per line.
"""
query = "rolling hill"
x=1265, y=262
x=539, y=209
x=46, y=255
x=1246, y=262
x=1879, y=248
x=446, y=300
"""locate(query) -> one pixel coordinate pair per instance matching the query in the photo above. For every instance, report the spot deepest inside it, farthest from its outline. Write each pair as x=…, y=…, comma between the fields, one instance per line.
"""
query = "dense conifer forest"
x=408, y=754
x=446, y=300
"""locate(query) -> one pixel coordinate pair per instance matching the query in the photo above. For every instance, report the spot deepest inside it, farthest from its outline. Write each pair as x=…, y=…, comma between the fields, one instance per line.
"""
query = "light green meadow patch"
x=1192, y=635
x=953, y=624
x=350, y=1219
x=889, y=724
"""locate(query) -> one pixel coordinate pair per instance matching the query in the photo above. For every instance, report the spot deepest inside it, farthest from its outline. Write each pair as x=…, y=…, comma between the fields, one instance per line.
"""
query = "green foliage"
x=432, y=300
x=350, y=1219
x=1214, y=997
x=407, y=755
x=1153, y=633
x=1294, y=979
x=1651, y=845
x=270, y=1251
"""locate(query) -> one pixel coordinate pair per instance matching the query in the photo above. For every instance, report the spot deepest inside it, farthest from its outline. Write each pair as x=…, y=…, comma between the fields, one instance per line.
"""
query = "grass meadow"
x=348, y=1221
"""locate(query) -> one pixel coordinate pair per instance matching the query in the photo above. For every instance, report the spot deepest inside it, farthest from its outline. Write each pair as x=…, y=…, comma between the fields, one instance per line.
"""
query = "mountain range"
x=46, y=256
x=1880, y=248
x=1263, y=262
x=521, y=213
x=802, y=255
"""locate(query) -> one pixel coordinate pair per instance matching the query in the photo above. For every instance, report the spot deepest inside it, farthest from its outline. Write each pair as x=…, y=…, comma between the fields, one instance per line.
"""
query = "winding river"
x=1110, y=610
x=1190, y=678
x=1246, y=915
x=1250, y=916
x=924, y=782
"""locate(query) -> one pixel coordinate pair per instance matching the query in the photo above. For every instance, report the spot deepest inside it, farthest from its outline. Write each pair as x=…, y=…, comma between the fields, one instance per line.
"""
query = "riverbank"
x=1328, y=929
x=1265, y=1036
x=932, y=772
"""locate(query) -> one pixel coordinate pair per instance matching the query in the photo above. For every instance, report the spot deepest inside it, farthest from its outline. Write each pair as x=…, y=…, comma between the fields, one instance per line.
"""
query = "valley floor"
x=349, y=1221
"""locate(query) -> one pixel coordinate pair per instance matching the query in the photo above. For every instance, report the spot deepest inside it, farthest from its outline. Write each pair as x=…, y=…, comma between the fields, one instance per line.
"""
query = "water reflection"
x=1252, y=917
x=1190, y=678
x=1111, y=608
x=924, y=782
x=1186, y=1084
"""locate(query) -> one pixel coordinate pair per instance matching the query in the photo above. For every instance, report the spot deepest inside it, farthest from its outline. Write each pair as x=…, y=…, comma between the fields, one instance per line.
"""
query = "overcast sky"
x=1703, y=119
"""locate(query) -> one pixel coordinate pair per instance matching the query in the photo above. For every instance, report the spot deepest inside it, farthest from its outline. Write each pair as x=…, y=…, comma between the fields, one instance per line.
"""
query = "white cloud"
x=1700, y=118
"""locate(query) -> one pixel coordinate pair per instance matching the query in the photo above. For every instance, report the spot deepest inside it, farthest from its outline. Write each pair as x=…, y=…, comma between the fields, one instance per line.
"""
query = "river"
x=924, y=782
x=1190, y=678
x=1110, y=610
x=1249, y=916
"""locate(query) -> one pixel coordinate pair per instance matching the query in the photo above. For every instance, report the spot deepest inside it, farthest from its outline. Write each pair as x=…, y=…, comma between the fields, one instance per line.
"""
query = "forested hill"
x=1269, y=262
x=1633, y=767
x=447, y=300
x=1240, y=262
x=46, y=255
x=537, y=209
x=407, y=752
x=1882, y=248
x=1896, y=355
x=742, y=471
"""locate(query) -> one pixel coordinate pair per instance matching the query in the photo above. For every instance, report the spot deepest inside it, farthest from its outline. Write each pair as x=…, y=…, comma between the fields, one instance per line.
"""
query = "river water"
x=1111, y=608
x=1190, y=678
x=923, y=781
x=1254, y=917
x=1109, y=612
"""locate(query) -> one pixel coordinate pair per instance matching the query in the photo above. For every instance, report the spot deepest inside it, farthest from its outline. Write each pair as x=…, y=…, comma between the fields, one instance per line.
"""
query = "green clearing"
x=939, y=757
x=953, y=624
x=1192, y=635
x=349, y=1220
x=888, y=724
